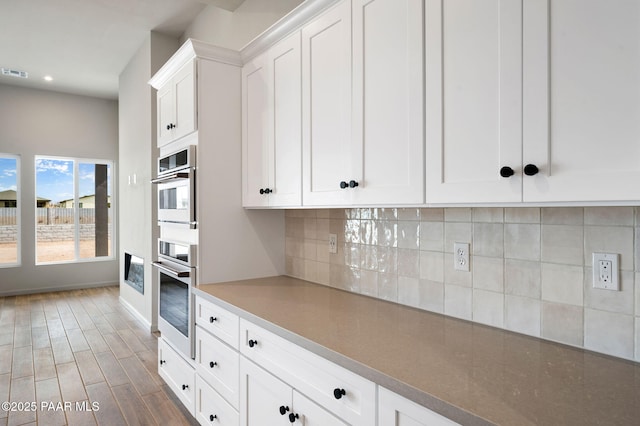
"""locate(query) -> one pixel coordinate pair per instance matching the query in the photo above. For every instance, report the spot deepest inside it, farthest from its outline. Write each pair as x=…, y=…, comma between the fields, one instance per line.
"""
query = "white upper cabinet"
x=177, y=105
x=327, y=150
x=473, y=100
x=272, y=142
x=388, y=96
x=582, y=100
x=363, y=140
x=255, y=132
x=533, y=101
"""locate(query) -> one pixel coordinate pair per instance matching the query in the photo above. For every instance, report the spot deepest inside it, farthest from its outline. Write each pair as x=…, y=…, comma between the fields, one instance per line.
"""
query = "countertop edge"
x=419, y=397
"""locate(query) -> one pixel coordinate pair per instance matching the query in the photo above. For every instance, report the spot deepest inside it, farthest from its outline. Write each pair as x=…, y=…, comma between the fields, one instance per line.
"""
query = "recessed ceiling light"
x=48, y=78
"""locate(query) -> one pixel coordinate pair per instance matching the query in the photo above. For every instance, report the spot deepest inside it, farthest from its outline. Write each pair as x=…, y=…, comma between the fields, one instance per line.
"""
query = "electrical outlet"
x=605, y=271
x=333, y=243
x=461, y=256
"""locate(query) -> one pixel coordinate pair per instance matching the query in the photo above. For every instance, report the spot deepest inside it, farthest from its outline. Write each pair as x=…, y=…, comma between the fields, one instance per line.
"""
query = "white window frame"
x=76, y=210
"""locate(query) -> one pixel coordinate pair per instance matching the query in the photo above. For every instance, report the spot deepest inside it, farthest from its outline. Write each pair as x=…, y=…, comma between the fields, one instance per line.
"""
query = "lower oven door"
x=176, y=308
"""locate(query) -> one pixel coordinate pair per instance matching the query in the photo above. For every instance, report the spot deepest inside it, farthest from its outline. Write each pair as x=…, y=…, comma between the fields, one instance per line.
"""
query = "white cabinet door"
x=473, y=119
x=165, y=114
x=326, y=108
x=184, y=86
x=395, y=410
x=581, y=100
x=388, y=101
x=261, y=396
x=311, y=414
x=176, y=105
x=285, y=142
x=255, y=143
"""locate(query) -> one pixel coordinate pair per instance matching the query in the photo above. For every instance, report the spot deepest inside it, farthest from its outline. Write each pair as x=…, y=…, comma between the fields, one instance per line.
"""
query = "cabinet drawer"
x=218, y=364
x=211, y=408
x=178, y=373
x=346, y=394
x=217, y=321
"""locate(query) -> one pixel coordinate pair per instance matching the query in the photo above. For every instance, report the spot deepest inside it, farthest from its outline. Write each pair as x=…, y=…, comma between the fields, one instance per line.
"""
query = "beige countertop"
x=471, y=373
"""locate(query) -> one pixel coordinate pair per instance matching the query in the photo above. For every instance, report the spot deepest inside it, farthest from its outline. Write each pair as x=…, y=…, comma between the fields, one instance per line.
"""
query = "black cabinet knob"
x=353, y=184
x=162, y=361
x=531, y=170
x=339, y=393
x=252, y=343
x=343, y=185
x=213, y=319
x=212, y=364
x=185, y=387
x=283, y=409
x=168, y=126
x=293, y=417
x=261, y=191
x=506, y=172
x=212, y=417
x=265, y=191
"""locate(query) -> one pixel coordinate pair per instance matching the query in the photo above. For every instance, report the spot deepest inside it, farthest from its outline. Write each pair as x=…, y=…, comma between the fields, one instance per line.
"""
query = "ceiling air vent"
x=14, y=73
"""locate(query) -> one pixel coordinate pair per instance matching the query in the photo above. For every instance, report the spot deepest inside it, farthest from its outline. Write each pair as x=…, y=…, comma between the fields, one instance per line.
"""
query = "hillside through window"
x=73, y=209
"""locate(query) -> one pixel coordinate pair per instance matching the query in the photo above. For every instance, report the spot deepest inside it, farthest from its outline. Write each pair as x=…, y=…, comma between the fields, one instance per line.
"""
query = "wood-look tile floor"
x=84, y=347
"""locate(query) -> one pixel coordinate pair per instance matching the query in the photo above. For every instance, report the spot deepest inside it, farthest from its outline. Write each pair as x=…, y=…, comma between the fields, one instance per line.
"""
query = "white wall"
x=234, y=30
x=137, y=159
x=35, y=122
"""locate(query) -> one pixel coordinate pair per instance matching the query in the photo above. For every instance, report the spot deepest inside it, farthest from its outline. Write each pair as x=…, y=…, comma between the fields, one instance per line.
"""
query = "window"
x=74, y=216
x=9, y=210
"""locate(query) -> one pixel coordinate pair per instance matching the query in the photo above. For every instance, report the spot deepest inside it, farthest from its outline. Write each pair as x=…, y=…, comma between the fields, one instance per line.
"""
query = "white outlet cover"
x=333, y=243
x=600, y=270
x=461, y=257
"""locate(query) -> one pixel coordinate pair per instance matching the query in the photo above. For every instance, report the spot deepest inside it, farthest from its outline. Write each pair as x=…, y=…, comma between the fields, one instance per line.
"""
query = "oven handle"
x=172, y=271
x=171, y=177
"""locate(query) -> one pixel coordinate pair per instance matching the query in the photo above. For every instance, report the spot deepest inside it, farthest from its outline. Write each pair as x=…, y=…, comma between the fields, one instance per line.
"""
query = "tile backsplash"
x=530, y=268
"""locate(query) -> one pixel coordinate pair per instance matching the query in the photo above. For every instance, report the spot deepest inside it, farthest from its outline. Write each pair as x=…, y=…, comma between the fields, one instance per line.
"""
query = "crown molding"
x=188, y=51
x=292, y=21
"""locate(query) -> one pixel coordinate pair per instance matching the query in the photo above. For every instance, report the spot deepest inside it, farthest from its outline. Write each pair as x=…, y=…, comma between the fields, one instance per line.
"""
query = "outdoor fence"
x=51, y=216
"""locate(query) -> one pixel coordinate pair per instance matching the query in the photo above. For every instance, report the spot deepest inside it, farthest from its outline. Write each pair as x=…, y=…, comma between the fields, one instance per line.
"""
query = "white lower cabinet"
x=395, y=410
x=211, y=408
x=178, y=373
x=266, y=400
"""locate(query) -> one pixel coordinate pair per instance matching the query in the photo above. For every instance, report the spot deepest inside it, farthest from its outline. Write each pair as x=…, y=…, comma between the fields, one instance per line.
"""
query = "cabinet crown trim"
x=292, y=21
x=188, y=51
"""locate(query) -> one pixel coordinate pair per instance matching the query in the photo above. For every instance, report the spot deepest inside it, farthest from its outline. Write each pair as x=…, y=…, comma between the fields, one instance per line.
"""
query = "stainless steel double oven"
x=177, y=259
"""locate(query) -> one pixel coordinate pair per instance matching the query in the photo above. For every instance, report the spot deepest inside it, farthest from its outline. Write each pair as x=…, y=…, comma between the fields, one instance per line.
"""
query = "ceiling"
x=85, y=44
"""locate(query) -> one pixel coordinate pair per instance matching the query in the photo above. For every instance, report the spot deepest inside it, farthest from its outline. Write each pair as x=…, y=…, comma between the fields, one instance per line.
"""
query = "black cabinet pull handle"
x=343, y=185
x=353, y=184
x=293, y=417
x=212, y=417
x=185, y=387
x=339, y=393
x=506, y=172
x=283, y=409
x=252, y=343
x=212, y=319
x=531, y=170
x=162, y=361
x=213, y=364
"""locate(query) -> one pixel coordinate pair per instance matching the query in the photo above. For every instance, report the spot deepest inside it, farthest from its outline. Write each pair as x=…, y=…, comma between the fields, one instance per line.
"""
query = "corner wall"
x=137, y=159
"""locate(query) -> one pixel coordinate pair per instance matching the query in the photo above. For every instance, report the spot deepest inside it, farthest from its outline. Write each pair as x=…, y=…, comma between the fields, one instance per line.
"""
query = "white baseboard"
x=56, y=289
x=152, y=328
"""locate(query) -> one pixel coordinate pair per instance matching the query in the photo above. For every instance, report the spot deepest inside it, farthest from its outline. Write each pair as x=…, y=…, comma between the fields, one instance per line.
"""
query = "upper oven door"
x=176, y=199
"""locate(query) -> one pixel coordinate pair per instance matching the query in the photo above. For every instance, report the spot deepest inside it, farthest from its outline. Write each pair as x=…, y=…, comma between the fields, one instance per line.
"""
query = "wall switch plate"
x=605, y=271
x=461, y=256
x=333, y=243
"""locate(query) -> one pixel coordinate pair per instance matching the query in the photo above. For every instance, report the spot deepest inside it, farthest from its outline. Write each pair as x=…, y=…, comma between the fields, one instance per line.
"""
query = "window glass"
x=9, y=210
x=73, y=210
